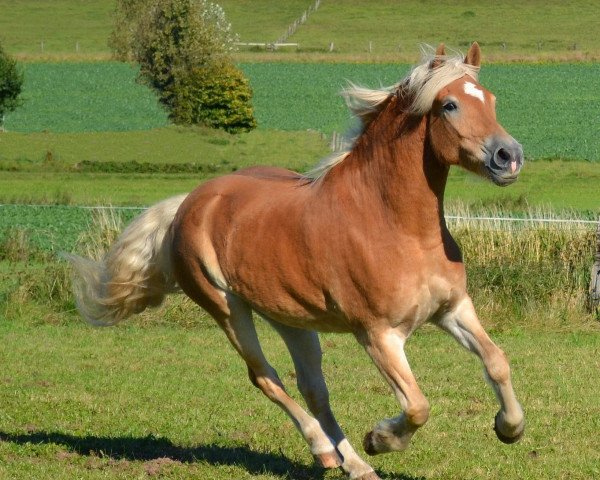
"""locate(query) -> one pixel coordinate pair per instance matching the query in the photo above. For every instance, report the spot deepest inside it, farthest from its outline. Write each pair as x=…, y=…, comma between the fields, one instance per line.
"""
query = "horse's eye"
x=450, y=106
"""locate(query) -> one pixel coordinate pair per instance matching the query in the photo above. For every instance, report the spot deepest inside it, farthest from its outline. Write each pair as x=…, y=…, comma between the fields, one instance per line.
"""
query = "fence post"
x=594, y=294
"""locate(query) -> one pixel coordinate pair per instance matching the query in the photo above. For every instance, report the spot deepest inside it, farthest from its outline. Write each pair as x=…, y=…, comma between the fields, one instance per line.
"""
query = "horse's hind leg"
x=240, y=330
x=306, y=353
x=386, y=349
x=462, y=323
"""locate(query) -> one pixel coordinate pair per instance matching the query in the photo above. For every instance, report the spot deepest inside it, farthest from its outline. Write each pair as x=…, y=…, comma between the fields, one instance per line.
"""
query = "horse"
x=358, y=245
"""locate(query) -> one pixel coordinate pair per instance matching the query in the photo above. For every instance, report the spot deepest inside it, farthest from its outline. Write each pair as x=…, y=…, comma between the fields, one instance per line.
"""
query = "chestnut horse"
x=359, y=245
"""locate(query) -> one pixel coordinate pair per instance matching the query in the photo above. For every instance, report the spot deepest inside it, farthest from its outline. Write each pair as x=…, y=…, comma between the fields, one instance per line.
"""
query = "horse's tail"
x=134, y=274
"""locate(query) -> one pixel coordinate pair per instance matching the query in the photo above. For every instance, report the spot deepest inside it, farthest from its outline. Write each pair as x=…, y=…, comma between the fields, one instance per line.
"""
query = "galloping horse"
x=359, y=245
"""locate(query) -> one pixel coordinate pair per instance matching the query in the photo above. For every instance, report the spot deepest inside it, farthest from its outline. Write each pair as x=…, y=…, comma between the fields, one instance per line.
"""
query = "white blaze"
x=471, y=89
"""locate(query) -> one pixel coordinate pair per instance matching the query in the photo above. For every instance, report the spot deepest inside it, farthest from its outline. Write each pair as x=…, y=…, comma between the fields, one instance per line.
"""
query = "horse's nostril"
x=503, y=155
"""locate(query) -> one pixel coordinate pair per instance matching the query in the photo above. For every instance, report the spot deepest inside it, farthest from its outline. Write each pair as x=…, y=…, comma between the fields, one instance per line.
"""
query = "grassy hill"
x=509, y=29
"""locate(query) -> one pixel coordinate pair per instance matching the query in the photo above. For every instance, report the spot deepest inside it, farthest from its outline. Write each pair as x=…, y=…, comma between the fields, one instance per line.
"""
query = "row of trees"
x=184, y=50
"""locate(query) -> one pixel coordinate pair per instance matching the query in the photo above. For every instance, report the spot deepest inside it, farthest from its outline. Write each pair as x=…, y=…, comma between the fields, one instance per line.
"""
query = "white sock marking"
x=471, y=89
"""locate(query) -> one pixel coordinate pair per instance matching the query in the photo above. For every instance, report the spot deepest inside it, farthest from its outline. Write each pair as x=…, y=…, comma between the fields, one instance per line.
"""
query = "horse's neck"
x=392, y=169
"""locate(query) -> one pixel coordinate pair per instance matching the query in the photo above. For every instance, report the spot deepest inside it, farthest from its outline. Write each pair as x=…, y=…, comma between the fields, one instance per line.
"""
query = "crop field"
x=541, y=105
x=90, y=97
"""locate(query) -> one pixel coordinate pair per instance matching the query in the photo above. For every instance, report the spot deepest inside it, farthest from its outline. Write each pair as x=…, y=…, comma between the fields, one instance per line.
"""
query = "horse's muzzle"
x=504, y=159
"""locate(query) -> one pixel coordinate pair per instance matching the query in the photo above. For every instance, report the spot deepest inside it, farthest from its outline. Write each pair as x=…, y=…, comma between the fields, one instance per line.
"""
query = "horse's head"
x=462, y=126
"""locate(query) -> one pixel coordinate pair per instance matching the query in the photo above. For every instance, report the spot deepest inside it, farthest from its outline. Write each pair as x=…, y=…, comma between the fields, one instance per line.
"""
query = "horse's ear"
x=474, y=55
x=440, y=53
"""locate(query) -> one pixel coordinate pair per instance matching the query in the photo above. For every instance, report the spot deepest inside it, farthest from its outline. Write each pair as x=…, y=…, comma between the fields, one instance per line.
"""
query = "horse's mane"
x=418, y=90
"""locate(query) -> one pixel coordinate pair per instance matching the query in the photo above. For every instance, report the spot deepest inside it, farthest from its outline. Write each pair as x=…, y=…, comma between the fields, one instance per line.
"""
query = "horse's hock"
x=594, y=297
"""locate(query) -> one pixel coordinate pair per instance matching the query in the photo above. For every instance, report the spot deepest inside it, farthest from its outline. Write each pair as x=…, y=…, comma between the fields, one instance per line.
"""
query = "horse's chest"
x=423, y=301
x=411, y=296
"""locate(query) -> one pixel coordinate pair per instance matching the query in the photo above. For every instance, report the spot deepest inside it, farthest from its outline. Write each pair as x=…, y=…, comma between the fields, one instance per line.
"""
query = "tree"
x=127, y=16
x=183, y=48
x=11, y=84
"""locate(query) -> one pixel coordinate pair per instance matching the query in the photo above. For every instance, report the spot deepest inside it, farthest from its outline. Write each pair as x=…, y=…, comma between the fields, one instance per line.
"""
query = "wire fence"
x=467, y=218
x=58, y=228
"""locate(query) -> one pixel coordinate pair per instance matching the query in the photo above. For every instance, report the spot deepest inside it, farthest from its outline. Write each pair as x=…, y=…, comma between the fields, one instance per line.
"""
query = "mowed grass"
x=509, y=30
x=142, y=400
x=59, y=24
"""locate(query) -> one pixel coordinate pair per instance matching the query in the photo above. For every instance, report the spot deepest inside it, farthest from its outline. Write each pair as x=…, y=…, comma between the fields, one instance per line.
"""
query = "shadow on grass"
x=154, y=448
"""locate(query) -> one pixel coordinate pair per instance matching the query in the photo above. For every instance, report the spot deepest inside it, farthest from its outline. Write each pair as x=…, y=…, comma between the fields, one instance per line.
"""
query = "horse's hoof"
x=369, y=445
x=503, y=438
x=328, y=459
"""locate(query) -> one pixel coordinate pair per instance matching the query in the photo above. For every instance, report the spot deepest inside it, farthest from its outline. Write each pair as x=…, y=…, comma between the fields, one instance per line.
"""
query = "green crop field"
x=541, y=105
x=90, y=97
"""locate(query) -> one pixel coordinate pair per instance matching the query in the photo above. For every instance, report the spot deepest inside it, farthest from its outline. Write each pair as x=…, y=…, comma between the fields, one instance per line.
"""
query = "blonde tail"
x=134, y=274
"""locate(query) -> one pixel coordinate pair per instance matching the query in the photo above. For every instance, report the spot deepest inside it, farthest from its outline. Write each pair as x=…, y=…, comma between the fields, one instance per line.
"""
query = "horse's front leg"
x=386, y=348
x=462, y=323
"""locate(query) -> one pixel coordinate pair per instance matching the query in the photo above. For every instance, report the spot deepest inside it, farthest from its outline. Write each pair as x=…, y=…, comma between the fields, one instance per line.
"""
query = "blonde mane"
x=420, y=87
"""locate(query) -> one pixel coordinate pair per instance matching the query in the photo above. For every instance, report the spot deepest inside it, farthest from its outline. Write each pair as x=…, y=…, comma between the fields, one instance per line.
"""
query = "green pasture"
x=509, y=27
x=508, y=30
x=141, y=168
x=153, y=400
x=59, y=24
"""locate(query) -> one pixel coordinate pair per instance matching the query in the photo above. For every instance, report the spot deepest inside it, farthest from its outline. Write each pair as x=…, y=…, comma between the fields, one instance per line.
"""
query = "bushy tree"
x=127, y=16
x=183, y=48
x=11, y=83
x=217, y=95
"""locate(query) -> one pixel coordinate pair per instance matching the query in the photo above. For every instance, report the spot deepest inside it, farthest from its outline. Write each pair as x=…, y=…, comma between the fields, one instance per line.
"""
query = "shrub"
x=11, y=83
x=217, y=96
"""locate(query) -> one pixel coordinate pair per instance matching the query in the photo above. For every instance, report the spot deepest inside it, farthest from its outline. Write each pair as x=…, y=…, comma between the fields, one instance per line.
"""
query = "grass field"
x=509, y=30
x=170, y=402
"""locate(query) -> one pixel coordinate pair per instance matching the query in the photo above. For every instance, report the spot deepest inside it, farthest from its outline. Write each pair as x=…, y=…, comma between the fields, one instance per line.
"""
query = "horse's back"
x=241, y=231
x=269, y=173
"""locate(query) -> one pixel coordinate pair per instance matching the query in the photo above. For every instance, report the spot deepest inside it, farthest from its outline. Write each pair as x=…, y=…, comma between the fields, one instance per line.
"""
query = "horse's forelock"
x=424, y=82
